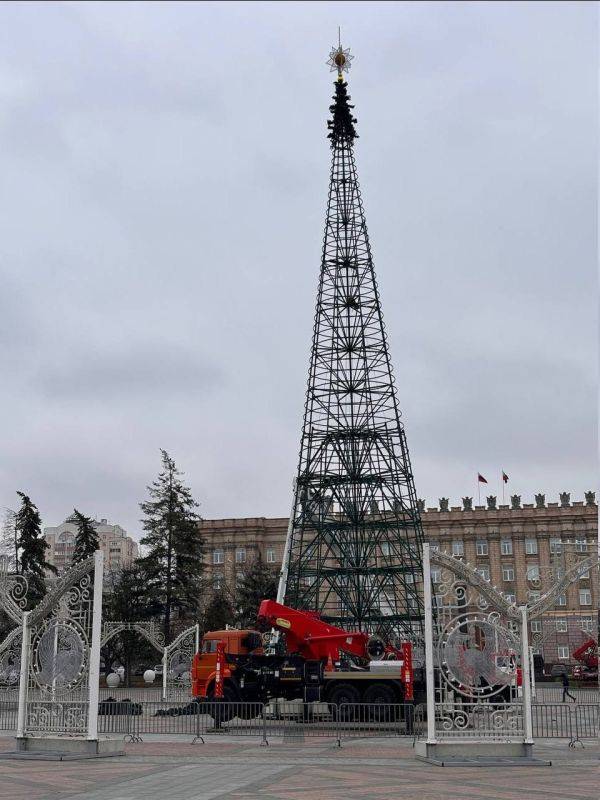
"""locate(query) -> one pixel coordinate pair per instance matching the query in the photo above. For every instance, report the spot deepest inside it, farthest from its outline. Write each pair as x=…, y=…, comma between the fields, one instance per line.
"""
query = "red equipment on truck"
x=587, y=655
x=306, y=659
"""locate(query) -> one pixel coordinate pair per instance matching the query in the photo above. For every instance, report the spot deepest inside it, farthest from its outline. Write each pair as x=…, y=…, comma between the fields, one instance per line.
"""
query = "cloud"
x=164, y=180
x=136, y=373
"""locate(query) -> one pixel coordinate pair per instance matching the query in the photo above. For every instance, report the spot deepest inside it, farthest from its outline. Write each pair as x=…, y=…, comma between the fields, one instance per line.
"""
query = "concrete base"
x=479, y=754
x=49, y=748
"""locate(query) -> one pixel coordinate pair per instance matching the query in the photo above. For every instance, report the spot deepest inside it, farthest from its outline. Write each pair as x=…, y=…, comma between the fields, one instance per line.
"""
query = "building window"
x=585, y=597
x=239, y=577
x=561, y=600
x=559, y=573
x=533, y=572
x=458, y=547
x=583, y=576
x=434, y=548
x=587, y=624
x=536, y=626
x=484, y=572
x=482, y=547
x=240, y=555
x=555, y=546
x=561, y=625
x=533, y=596
x=563, y=652
x=581, y=545
x=218, y=580
x=385, y=548
x=218, y=557
x=508, y=574
x=270, y=556
x=436, y=575
x=531, y=547
x=510, y=598
x=506, y=547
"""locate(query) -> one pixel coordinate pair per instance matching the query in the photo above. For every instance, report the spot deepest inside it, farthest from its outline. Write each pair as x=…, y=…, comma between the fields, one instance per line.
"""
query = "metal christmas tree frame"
x=355, y=537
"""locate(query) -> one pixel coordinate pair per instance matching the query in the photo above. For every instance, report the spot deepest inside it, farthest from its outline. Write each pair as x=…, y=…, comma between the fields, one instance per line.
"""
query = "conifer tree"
x=219, y=611
x=259, y=583
x=173, y=562
x=86, y=539
x=32, y=549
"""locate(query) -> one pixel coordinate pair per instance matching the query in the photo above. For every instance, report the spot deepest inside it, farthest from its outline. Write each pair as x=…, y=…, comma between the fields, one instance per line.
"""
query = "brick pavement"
x=360, y=770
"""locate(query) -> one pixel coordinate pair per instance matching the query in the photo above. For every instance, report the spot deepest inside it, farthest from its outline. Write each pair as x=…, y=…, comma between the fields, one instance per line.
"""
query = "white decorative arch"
x=148, y=630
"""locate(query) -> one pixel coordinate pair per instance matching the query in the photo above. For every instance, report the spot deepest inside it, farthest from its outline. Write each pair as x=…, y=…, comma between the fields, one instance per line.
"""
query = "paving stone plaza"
x=365, y=770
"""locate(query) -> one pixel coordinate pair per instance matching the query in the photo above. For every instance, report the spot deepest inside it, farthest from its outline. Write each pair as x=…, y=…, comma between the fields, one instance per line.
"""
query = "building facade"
x=516, y=547
x=119, y=549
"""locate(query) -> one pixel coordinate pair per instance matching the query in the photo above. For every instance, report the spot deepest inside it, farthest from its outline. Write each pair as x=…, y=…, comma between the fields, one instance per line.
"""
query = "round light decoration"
x=149, y=676
x=113, y=680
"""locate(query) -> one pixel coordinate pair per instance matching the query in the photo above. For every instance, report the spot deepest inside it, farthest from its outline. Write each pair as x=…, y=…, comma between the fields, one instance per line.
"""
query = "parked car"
x=157, y=669
x=558, y=670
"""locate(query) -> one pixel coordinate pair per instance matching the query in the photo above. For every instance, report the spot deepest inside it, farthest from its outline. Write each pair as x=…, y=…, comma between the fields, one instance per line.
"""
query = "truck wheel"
x=342, y=701
x=381, y=699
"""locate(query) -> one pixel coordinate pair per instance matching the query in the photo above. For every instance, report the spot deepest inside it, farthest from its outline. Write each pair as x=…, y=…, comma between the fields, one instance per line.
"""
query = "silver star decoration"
x=339, y=59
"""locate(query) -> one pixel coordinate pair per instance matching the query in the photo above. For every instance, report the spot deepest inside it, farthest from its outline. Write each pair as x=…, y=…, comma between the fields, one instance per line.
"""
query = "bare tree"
x=9, y=550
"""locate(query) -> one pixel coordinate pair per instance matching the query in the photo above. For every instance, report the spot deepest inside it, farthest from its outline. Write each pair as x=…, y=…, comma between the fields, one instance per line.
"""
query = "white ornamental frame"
x=58, y=690
x=474, y=714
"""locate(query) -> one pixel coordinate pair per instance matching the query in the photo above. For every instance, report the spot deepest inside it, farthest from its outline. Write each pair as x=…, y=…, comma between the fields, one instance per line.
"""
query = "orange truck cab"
x=204, y=663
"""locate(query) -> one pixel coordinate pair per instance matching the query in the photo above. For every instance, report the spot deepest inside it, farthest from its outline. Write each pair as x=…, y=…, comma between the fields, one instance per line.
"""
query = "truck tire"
x=225, y=711
x=382, y=700
x=342, y=701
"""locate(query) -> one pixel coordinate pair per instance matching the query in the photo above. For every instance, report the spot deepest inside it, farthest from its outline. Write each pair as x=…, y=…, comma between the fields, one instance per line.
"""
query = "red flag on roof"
x=480, y=478
x=504, y=477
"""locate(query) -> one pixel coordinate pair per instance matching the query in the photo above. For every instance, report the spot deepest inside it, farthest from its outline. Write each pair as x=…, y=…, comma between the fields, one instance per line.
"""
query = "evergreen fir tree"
x=86, y=540
x=32, y=548
x=173, y=564
x=219, y=611
x=259, y=583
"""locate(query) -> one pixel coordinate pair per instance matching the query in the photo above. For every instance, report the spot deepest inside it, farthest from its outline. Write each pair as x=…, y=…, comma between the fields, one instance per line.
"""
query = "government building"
x=514, y=546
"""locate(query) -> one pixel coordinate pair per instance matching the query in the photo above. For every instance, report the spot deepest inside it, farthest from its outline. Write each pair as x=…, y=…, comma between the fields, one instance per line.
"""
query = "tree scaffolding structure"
x=354, y=550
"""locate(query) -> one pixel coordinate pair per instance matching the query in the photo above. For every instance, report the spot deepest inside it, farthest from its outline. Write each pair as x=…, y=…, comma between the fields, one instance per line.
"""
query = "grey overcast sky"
x=164, y=170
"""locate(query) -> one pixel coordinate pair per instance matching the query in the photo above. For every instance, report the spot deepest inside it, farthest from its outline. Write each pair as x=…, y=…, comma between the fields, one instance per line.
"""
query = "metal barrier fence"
x=293, y=721
x=290, y=721
x=8, y=715
x=553, y=694
x=566, y=721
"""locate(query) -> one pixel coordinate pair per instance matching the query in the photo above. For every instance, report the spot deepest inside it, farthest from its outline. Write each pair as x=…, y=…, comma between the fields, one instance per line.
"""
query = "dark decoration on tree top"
x=341, y=127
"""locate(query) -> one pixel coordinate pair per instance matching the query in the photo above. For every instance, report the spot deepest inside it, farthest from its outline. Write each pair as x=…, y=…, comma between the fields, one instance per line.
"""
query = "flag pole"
x=503, y=482
x=478, y=490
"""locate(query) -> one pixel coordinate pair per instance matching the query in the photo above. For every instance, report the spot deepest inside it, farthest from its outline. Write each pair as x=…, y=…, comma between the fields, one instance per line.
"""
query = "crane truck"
x=587, y=655
x=308, y=659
